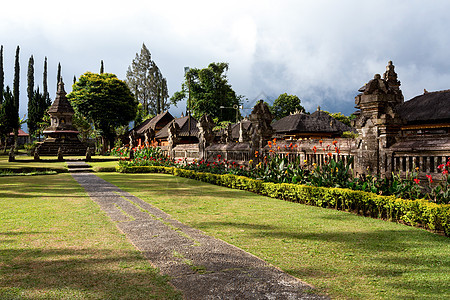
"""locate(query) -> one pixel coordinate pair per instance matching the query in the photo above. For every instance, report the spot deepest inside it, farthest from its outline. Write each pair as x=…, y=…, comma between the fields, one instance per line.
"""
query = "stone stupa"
x=61, y=135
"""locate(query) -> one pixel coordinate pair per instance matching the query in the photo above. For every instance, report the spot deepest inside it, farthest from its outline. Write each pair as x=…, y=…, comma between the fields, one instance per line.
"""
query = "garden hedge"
x=412, y=212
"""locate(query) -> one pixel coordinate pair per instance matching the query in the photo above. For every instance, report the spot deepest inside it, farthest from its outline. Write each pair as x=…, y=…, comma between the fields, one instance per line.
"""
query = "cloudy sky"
x=321, y=51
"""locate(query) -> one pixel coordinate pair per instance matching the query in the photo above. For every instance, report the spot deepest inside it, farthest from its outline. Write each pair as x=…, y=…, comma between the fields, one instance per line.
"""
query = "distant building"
x=317, y=125
x=22, y=138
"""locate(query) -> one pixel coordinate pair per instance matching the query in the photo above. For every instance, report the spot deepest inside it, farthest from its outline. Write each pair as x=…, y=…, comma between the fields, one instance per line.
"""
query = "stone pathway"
x=77, y=166
x=200, y=266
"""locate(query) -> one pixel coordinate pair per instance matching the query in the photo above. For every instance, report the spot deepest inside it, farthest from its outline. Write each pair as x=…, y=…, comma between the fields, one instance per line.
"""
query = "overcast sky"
x=321, y=51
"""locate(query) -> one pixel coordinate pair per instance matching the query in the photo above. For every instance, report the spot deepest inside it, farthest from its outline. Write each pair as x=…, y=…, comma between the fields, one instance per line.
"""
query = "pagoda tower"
x=61, y=134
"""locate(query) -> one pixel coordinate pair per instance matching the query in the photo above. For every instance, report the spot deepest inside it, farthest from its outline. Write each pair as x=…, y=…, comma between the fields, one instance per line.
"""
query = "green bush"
x=412, y=212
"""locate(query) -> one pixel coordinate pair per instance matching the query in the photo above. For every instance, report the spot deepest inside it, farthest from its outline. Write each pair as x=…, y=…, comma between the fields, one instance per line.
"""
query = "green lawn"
x=23, y=162
x=344, y=255
x=55, y=243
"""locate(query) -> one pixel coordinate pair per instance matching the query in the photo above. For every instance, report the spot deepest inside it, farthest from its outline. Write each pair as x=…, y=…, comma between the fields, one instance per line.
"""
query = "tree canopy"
x=146, y=81
x=286, y=104
x=210, y=93
x=105, y=101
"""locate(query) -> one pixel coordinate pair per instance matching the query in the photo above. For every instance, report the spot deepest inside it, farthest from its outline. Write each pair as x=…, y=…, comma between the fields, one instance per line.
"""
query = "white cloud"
x=322, y=51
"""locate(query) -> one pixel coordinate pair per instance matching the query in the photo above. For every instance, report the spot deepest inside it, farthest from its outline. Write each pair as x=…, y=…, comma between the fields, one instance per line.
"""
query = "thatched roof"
x=430, y=107
x=317, y=122
x=183, y=124
x=153, y=122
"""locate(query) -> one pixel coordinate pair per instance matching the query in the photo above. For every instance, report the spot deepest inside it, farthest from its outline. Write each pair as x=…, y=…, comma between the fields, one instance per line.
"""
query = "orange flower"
x=320, y=141
x=329, y=154
x=278, y=148
x=270, y=144
x=256, y=153
x=334, y=142
x=290, y=145
x=315, y=149
x=295, y=146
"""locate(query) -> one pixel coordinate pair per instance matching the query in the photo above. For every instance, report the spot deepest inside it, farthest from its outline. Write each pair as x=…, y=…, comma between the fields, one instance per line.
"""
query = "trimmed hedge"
x=412, y=212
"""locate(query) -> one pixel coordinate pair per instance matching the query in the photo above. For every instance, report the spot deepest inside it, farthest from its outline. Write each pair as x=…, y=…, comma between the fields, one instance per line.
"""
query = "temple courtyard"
x=86, y=235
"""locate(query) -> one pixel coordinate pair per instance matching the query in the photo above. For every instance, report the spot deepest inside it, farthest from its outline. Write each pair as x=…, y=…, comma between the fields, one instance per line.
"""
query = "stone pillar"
x=262, y=130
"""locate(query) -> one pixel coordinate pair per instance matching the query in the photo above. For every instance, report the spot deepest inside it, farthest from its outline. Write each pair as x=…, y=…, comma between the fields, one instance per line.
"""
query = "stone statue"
x=36, y=153
x=206, y=136
x=88, y=154
x=60, y=154
x=173, y=136
x=149, y=135
x=12, y=155
x=243, y=134
x=132, y=136
x=228, y=134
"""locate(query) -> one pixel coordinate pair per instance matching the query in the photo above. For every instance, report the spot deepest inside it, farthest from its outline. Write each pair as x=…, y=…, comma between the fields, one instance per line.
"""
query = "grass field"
x=344, y=255
x=55, y=243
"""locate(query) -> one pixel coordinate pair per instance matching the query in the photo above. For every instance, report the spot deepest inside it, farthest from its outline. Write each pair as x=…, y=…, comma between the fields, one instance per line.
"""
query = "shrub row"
x=412, y=212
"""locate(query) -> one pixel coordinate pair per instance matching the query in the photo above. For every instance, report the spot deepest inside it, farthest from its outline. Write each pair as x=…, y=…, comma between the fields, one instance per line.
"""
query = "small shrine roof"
x=61, y=104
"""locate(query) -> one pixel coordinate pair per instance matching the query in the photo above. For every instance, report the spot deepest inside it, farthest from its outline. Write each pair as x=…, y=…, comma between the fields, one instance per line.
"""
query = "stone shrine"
x=61, y=136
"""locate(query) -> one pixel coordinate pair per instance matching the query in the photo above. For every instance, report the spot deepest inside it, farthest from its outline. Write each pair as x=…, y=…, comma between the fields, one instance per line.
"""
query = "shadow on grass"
x=410, y=260
x=82, y=273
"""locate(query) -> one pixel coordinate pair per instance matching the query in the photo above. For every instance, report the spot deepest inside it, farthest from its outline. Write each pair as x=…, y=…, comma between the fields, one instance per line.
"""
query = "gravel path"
x=200, y=266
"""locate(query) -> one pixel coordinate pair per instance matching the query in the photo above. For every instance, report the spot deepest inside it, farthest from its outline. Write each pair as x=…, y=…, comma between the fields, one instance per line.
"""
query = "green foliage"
x=349, y=135
x=146, y=81
x=9, y=118
x=220, y=125
x=105, y=101
x=209, y=90
x=286, y=104
x=341, y=117
x=414, y=212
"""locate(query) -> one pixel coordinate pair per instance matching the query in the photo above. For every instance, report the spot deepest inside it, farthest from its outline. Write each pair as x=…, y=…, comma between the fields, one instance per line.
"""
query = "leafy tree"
x=286, y=104
x=105, y=101
x=341, y=117
x=146, y=81
x=209, y=93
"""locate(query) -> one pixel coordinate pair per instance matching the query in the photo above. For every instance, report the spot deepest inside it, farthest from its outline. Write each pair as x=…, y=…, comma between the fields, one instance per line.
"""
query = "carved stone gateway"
x=377, y=122
x=262, y=131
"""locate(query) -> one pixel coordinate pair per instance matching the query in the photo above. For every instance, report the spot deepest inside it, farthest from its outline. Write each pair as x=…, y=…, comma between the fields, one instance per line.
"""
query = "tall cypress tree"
x=16, y=80
x=58, y=75
x=102, y=68
x=2, y=75
x=32, y=105
x=16, y=95
x=30, y=77
x=44, y=84
x=8, y=115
